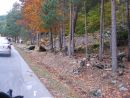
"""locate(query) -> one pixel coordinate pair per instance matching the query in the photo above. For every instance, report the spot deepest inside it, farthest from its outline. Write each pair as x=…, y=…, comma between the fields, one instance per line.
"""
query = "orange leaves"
x=31, y=14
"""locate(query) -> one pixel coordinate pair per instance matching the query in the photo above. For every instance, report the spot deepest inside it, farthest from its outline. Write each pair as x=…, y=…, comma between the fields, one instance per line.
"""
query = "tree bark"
x=37, y=39
x=128, y=27
x=73, y=20
x=63, y=24
x=75, y=15
x=73, y=29
x=123, y=18
x=51, y=41
x=113, y=36
x=103, y=37
x=60, y=39
x=101, y=31
x=54, y=44
x=70, y=34
x=86, y=35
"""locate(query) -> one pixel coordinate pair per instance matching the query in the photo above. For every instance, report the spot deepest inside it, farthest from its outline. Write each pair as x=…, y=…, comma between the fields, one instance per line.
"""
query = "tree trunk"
x=31, y=37
x=103, y=37
x=70, y=34
x=54, y=45
x=73, y=29
x=51, y=41
x=128, y=27
x=64, y=39
x=73, y=20
x=75, y=16
x=86, y=35
x=63, y=25
x=101, y=31
x=37, y=39
x=60, y=39
x=113, y=36
x=123, y=18
x=15, y=39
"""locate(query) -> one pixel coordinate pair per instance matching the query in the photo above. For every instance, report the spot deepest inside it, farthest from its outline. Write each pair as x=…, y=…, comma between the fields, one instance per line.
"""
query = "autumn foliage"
x=31, y=15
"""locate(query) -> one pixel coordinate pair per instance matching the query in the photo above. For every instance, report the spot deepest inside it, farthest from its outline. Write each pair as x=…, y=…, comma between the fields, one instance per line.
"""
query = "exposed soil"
x=57, y=72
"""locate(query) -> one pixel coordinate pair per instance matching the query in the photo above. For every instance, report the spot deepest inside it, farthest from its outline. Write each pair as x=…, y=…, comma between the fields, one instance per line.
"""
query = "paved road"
x=15, y=74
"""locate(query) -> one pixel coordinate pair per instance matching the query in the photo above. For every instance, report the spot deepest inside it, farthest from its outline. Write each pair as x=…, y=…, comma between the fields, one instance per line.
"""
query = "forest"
x=99, y=30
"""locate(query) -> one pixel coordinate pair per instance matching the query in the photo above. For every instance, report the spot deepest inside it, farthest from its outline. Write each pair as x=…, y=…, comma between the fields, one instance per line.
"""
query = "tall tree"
x=31, y=15
x=128, y=26
x=86, y=34
x=74, y=4
x=101, y=31
x=113, y=36
x=12, y=29
x=71, y=50
x=31, y=18
x=50, y=18
x=62, y=42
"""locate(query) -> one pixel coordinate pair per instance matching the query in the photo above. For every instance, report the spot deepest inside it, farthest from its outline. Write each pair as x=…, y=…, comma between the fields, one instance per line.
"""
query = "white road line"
x=35, y=93
x=29, y=87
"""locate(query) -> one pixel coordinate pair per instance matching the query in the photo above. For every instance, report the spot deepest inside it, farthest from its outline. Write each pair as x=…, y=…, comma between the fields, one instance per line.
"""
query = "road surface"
x=15, y=74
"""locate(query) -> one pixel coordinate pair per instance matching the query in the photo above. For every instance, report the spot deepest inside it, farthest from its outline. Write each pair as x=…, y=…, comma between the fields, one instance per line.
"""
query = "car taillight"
x=9, y=47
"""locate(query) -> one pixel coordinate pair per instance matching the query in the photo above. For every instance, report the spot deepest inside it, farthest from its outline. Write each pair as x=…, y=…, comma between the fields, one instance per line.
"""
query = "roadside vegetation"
x=72, y=40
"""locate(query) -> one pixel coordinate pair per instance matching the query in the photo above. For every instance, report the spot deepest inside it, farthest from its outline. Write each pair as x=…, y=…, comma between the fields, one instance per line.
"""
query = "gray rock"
x=122, y=87
x=96, y=93
x=76, y=71
x=113, y=81
x=120, y=71
x=82, y=63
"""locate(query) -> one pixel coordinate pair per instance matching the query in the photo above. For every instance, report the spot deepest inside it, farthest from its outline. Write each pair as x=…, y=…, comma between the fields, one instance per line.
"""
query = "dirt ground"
x=63, y=79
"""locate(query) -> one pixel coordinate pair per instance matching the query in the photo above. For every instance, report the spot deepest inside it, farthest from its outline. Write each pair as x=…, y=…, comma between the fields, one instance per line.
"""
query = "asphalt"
x=15, y=74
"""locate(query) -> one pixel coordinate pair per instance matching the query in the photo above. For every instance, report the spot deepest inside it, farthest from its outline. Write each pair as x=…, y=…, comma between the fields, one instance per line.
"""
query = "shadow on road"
x=4, y=55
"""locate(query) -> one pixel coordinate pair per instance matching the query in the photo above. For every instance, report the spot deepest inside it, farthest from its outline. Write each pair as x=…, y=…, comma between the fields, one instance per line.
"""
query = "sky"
x=6, y=6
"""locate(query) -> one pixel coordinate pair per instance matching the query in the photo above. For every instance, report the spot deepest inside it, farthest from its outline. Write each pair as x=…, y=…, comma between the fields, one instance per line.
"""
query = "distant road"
x=15, y=74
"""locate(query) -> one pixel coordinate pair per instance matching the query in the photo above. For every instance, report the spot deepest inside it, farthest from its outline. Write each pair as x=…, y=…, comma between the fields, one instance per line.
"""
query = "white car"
x=5, y=46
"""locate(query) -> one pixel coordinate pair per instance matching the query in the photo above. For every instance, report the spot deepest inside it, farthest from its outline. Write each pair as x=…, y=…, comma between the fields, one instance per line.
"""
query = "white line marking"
x=29, y=87
x=35, y=93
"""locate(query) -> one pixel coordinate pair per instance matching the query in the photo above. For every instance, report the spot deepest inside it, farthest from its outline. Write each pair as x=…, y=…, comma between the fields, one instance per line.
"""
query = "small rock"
x=122, y=87
x=82, y=63
x=76, y=71
x=92, y=59
x=96, y=93
x=84, y=59
x=88, y=65
x=113, y=81
x=74, y=62
x=120, y=71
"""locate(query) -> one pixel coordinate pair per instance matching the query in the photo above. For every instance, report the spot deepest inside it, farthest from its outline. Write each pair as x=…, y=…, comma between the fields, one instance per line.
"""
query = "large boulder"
x=42, y=49
x=31, y=47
